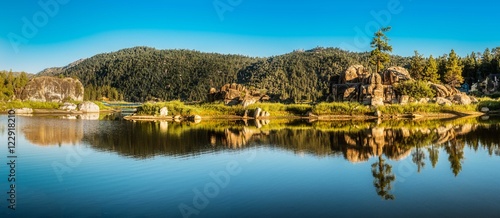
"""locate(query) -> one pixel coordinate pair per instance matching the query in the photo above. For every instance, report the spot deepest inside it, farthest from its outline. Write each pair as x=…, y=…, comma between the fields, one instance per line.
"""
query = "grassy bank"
x=321, y=109
x=4, y=106
x=219, y=109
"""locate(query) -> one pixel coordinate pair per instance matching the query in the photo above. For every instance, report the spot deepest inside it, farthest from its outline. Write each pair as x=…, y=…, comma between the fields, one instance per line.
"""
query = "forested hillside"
x=304, y=75
x=142, y=73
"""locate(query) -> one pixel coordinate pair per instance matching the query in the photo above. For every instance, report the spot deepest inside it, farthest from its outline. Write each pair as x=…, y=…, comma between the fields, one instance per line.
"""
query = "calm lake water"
x=114, y=168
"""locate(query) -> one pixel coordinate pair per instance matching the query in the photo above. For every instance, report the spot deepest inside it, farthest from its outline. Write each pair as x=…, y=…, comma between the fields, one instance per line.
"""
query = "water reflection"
x=46, y=131
x=356, y=142
x=383, y=178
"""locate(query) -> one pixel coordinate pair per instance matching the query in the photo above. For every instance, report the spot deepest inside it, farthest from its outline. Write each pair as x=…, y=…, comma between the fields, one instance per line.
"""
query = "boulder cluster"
x=357, y=84
x=233, y=94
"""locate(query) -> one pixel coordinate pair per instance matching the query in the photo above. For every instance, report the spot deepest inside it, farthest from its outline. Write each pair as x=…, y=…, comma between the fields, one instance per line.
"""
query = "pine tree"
x=417, y=67
x=453, y=74
x=442, y=60
x=379, y=55
x=470, y=69
x=495, y=62
x=486, y=64
x=431, y=70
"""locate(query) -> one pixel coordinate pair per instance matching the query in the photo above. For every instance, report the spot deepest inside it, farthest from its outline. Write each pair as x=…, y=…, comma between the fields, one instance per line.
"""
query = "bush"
x=340, y=108
x=29, y=104
x=416, y=89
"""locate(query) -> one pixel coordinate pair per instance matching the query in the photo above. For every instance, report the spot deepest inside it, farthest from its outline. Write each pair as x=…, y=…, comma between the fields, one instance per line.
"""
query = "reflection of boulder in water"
x=89, y=116
x=53, y=131
x=145, y=139
x=354, y=155
x=238, y=138
x=163, y=126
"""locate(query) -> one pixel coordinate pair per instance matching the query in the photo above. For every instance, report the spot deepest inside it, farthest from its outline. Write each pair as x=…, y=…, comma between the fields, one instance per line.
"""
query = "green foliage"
x=380, y=44
x=417, y=67
x=11, y=84
x=415, y=89
x=489, y=103
x=28, y=104
x=94, y=93
x=453, y=73
x=431, y=71
x=341, y=108
x=142, y=73
x=425, y=108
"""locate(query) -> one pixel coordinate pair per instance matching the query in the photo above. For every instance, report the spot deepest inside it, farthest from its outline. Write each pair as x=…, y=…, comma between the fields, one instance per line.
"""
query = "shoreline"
x=312, y=118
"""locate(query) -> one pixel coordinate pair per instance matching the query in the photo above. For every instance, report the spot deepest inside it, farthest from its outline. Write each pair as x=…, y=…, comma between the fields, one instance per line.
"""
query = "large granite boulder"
x=354, y=74
x=52, y=89
x=88, y=107
x=462, y=99
x=234, y=94
x=68, y=106
x=256, y=113
x=443, y=101
x=164, y=111
x=444, y=90
x=394, y=75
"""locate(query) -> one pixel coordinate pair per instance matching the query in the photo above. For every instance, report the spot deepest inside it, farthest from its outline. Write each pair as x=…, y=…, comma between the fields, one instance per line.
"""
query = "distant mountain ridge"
x=142, y=73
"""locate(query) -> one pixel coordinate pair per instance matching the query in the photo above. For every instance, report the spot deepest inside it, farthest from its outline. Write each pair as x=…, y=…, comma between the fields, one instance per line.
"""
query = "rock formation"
x=489, y=85
x=356, y=84
x=52, y=89
x=233, y=94
x=88, y=107
x=68, y=106
x=164, y=111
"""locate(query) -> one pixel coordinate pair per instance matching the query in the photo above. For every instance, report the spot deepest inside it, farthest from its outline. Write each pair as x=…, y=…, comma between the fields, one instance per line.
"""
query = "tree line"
x=11, y=84
x=141, y=73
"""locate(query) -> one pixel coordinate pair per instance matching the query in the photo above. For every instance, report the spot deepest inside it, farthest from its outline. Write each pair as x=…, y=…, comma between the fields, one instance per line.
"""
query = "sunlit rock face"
x=53, y=132
x=52, y=89
x=233, y=94
x=357, y=84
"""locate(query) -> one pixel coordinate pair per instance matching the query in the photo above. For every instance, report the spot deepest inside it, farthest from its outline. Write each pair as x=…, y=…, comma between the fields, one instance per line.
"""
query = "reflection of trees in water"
x=433, y=155
x=455, y=150
x=144, y=139
x=383, y=178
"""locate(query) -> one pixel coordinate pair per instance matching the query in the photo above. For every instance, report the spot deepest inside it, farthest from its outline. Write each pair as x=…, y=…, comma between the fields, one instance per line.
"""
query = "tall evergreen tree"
x=417, y=67
x=495, y=62
x=470, y=69
x=486, y=64
x=453, y=74
x=380, y=54
x=431, y=70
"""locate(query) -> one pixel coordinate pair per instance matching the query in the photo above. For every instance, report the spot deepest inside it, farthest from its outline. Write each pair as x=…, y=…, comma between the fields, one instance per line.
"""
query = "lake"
x=278, y=168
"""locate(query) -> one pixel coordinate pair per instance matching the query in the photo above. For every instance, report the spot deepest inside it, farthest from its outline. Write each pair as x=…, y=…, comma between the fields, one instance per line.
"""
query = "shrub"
x=340, y=108
x=416, y=89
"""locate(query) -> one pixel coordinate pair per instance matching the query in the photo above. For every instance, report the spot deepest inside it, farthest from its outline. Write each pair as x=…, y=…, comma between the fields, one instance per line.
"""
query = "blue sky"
x=34, y=37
